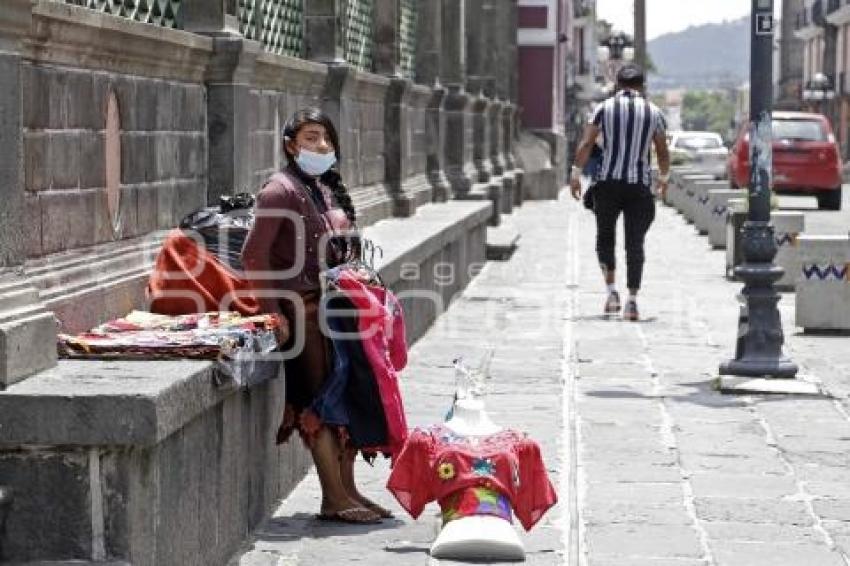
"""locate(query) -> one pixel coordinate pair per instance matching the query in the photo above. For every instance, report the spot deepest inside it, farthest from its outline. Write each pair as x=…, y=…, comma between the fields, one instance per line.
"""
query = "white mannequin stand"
x=482, y=537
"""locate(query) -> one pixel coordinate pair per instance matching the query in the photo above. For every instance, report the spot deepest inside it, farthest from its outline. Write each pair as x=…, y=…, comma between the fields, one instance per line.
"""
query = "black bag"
x=223, y=229
x=588, y=198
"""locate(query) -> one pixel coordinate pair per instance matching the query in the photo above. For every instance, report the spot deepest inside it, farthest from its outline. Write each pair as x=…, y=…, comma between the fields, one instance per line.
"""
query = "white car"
x=704, y=149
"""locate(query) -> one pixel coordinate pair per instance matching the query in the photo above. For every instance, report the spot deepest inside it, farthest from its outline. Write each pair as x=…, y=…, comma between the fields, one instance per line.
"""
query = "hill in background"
x=706, y=56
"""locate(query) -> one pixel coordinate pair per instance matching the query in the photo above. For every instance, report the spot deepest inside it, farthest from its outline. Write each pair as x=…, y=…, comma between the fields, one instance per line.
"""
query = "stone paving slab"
x=653, y=466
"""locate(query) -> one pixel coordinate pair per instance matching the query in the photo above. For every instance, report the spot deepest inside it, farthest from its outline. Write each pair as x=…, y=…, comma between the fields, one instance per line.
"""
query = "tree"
x=707, y=111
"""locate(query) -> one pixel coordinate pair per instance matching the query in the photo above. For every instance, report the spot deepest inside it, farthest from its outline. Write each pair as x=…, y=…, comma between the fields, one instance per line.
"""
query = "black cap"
x=630, y=73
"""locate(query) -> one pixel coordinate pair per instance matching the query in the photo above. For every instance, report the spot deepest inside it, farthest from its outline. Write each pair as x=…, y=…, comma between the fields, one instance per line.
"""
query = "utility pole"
x=758, y=352
x=640, y=33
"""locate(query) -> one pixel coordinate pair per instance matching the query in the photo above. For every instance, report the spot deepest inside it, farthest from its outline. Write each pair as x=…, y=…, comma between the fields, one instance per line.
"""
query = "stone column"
x=509, y=122
x=385, y=46
x=512, y=51
x=830, y=69
x=323, y=30
x=457, y=102
x=27, y=329
x=15, y=20
x=406, y=190
x=209, y=16
x=481, y=42
x=503, y=67
x=506, y=87
x=494, y=120
x=493, y=15
x=429, y=38
x=228, y=110
x=791, y=58
x=501, y=175
x=475, y=31
x=396, y=146
x=230, y=71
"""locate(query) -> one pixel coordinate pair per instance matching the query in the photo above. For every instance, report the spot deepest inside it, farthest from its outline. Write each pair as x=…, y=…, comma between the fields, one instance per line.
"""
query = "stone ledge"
x=282, y=72
x=418, y=237
x=66, y=563
x=502, y=241
x=99, y=403
x=79, y=37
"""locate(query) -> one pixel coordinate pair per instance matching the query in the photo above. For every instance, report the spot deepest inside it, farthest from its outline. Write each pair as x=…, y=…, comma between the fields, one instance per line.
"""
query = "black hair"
x=331, y=178
x=630, y=76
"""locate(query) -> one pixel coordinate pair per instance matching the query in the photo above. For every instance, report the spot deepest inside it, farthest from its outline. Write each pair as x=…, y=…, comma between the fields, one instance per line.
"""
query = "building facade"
x=791, y=57
x=823, y=26
x=558, y=70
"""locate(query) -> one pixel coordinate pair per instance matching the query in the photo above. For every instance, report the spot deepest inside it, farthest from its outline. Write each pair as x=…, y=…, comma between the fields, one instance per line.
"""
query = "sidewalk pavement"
x=652, y=466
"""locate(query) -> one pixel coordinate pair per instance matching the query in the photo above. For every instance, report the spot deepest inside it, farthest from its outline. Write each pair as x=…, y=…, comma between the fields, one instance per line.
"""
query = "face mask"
x=313, y=163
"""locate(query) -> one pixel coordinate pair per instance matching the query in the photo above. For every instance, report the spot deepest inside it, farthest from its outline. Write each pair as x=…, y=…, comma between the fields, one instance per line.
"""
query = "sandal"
x=352, y=515
x=380, y=511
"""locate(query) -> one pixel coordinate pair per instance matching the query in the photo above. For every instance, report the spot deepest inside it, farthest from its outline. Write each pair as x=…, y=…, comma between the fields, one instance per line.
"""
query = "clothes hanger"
x=365, y=269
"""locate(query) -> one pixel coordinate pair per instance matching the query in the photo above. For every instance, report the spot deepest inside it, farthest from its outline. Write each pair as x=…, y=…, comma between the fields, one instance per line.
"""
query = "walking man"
x=629, y=124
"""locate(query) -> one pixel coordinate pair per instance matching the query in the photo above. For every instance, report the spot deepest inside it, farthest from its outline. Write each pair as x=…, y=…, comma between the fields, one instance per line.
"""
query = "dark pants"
x=637, y=204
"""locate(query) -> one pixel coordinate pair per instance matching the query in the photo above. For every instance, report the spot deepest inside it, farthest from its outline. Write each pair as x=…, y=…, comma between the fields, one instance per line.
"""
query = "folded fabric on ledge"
x=237, y=342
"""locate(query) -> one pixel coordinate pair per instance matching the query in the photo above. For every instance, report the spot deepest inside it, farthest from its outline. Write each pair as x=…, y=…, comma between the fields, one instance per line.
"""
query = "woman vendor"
x=296, y=212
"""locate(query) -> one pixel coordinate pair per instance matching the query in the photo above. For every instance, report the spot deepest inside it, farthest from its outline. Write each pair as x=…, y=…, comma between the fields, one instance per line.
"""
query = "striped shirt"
x=628, y=123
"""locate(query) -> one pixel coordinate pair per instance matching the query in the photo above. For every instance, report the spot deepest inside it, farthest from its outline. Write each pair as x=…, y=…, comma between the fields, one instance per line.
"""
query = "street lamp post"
x=758, y=352
x=819, y=90
x=640, y=33
x=617, y=43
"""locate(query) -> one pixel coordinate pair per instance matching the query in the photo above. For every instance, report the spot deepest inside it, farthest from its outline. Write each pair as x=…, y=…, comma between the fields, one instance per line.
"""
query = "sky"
x=665, y=16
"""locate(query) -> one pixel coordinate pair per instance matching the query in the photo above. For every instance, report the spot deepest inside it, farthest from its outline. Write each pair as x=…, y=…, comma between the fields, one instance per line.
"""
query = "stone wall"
x=185, y=492
x=161, y=131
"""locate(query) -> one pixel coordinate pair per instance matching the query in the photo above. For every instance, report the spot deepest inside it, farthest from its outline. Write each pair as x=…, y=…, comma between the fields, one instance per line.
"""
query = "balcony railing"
x=164, y=13
x=407, y=37
x=277, y=24
x=357, y=33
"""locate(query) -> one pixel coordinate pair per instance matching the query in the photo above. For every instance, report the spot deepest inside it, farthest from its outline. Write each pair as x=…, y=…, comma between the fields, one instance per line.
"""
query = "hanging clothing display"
x=472, y=475
x=381, y=333
x=350, y=396
x=366, y=347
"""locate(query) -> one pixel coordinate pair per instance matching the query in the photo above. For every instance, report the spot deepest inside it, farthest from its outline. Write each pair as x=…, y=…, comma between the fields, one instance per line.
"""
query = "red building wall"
x=544, y=38
x=536, y=86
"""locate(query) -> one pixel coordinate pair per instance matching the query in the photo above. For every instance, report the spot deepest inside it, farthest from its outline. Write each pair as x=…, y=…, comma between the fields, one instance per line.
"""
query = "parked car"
x=806, y=158
x=704, y=149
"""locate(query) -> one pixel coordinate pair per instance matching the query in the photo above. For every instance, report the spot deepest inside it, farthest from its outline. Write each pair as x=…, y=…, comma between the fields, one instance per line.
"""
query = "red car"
x=806, y=158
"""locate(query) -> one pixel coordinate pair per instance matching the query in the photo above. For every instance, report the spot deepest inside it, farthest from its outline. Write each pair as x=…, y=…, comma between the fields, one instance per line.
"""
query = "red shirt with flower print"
x=436, y=463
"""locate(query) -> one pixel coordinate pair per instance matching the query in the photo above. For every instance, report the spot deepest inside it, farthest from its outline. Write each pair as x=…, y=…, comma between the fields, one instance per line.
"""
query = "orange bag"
x=189, y=279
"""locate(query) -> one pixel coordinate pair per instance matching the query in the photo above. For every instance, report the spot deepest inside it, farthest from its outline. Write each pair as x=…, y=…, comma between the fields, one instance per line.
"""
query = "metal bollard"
x=5, y=506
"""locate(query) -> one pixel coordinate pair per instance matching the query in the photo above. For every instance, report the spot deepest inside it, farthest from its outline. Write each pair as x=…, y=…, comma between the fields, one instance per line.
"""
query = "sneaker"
x=631, y=310
x=612, y=305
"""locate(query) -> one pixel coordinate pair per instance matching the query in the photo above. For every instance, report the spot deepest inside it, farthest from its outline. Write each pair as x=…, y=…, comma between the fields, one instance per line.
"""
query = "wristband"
x=664, y=178
x=575, y=172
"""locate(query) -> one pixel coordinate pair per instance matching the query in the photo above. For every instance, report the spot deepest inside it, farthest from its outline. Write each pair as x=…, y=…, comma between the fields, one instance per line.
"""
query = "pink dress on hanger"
x=382, y=334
